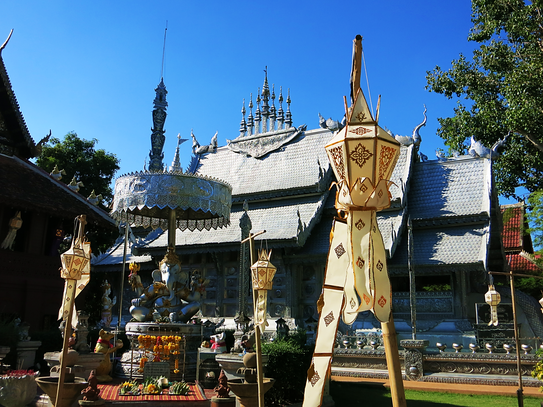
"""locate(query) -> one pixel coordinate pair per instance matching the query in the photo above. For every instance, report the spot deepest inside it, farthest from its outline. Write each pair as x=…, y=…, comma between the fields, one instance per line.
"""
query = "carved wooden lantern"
x=493, y=298
x=75, y=270
x=363, y=156
x=262, y=275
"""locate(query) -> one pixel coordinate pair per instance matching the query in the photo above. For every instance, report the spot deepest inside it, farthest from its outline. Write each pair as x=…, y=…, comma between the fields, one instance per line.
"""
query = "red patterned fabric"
x=110, y=392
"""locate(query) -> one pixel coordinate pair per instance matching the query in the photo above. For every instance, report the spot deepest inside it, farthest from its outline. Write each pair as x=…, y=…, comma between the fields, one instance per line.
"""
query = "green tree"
x=500, y=90
x=79, y=159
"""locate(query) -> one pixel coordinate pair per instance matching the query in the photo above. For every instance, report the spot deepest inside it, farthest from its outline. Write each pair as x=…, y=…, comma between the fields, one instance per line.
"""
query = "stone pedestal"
x=26, y=353
x=231, y=362
x=89, y=361
x=413, y=357
x=188, y=357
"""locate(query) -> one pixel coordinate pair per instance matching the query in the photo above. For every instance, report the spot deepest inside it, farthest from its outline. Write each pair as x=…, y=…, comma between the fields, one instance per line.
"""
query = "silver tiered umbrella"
x=172, y=200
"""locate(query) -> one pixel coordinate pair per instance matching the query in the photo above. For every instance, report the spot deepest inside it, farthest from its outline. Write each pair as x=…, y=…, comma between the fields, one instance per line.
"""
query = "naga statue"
x=173, y=293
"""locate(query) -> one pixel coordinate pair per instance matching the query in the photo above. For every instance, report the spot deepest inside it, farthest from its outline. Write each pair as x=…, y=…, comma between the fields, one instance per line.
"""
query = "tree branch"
x=537, y=144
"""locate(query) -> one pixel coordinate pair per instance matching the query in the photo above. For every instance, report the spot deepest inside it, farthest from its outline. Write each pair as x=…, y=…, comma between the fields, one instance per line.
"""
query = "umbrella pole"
x=122, y=280
x=393, y=363
x=171, y=228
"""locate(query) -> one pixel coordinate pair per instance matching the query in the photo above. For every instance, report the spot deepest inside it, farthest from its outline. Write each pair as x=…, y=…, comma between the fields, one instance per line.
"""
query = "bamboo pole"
x=393, y=363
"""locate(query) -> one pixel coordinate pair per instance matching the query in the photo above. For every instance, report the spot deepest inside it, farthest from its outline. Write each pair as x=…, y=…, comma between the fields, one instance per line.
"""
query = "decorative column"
x=241, y=318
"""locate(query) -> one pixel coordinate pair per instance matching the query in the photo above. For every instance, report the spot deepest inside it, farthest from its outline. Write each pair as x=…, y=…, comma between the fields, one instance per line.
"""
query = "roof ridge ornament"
x=6, y=41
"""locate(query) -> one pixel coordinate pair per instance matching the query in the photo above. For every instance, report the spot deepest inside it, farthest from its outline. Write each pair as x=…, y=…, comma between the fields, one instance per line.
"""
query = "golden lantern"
x=493, y=298
x=262, y=275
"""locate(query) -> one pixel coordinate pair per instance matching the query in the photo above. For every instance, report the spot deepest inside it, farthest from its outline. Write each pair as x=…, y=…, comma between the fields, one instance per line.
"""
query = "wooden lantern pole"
x=258, y=348
x=520, y=390
x=390, y=342
x=69, y=299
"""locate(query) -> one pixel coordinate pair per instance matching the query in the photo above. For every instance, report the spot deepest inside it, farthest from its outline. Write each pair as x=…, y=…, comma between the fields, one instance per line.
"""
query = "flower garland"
x=159, y=348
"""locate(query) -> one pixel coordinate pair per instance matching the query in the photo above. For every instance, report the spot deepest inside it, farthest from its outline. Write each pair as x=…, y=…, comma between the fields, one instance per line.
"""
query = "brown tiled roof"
x=26, y=186
x=520, y=264
x=513, y=222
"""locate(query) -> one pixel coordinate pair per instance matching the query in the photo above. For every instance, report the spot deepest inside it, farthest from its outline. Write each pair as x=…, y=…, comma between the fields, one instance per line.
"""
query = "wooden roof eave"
x=13, y=117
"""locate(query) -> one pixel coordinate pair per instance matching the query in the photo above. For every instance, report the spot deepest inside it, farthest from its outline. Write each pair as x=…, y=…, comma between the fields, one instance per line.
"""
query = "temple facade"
x=282, y=183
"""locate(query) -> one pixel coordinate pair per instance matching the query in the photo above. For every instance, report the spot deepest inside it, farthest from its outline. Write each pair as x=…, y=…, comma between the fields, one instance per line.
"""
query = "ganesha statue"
x=173, y=294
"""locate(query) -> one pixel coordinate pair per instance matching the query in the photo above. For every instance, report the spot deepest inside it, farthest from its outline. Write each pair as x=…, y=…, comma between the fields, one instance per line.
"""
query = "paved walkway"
x=447, y=387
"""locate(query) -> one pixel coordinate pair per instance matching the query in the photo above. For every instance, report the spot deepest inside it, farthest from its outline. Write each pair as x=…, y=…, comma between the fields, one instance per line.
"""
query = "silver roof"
x=300, y=163
x=290, y=222
x=463, y=244
x=287, y=194
x=115, y=254
x=456, y=187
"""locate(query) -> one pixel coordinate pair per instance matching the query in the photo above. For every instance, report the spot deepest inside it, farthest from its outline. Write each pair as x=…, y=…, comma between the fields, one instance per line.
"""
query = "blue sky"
x=92, y=67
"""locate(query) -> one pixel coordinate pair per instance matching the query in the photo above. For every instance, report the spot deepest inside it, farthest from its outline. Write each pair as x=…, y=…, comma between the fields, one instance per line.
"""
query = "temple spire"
x=265, y=99
x=266, y=118
x=280, y=113
x=176, y=163
x=243, y=124
x=157, y=136
x=273, y=114
x=257, y=113
x=288, y=120
x=250, y=123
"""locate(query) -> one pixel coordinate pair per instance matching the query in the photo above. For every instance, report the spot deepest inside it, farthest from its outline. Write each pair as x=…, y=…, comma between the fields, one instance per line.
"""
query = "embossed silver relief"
x=413, y=364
